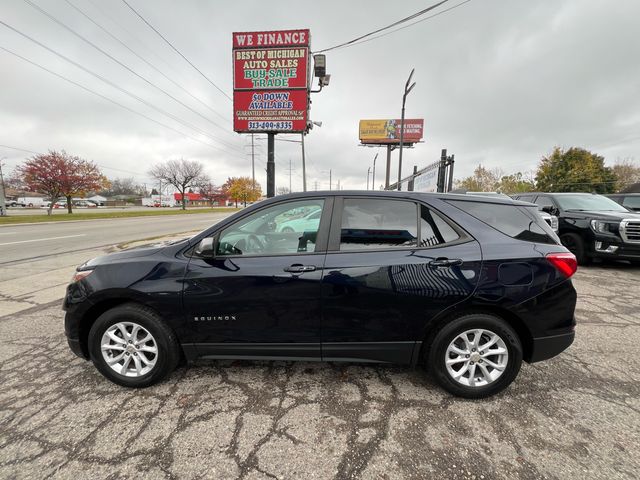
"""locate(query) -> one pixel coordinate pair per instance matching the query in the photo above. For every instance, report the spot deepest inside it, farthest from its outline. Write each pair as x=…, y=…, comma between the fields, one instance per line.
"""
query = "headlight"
x=79, y=275
x=600, y=226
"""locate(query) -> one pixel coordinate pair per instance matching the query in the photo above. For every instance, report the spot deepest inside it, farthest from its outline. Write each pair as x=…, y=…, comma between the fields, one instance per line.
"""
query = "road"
x=575, y=416
x=36, y=261
x=22, y=242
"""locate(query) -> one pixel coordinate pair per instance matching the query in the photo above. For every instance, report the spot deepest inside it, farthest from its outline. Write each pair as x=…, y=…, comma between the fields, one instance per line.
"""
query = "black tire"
x=438, y=353
x=168, y=354
x=575, y=245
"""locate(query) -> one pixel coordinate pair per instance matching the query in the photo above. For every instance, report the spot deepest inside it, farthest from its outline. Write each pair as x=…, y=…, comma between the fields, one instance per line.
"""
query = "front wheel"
x=475, y=356
x=132, y=346
x=575, y=245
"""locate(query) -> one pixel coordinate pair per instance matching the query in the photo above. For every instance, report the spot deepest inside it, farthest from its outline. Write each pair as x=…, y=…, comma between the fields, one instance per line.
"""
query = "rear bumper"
x=544, y=348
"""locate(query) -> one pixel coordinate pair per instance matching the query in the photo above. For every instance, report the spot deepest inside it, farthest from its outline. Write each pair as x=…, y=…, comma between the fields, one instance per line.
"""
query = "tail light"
x=565, y=263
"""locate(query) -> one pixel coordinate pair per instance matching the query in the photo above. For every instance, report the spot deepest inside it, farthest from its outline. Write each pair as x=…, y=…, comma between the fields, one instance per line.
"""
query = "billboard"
x=270, y=110
x=388, y=131
x=270, y=81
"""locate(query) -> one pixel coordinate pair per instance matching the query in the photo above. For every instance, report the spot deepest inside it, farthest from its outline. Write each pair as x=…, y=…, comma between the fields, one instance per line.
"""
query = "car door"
x=259, y=296
x=392, y=266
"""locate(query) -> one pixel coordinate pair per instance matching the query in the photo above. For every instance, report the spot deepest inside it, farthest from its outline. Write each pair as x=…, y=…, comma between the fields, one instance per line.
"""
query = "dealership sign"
x=270, y=81
x=388, y=131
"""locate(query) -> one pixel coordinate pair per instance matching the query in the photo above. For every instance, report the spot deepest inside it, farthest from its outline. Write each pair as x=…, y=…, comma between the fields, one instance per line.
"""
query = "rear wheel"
x=475, y=356
x=575, y=245
x=132, y=346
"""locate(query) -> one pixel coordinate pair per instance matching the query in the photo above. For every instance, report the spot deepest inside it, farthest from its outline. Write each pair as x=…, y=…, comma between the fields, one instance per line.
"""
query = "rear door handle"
x=445, y=262
x=297, y=268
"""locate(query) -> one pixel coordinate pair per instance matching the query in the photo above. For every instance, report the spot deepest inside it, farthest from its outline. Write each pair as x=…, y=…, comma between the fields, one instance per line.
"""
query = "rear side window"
x=522, y=223
x=373, y=224
x=434, y=230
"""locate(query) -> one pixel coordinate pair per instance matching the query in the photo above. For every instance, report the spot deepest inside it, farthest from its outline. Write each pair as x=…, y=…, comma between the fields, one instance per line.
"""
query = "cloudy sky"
x=499, y=82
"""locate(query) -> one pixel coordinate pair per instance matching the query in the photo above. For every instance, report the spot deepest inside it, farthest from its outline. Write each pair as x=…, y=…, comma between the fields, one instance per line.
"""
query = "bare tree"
x=182, y=174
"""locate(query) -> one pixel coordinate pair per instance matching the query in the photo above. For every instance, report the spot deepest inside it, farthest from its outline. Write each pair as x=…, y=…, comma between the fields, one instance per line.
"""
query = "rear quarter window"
x=521, y=223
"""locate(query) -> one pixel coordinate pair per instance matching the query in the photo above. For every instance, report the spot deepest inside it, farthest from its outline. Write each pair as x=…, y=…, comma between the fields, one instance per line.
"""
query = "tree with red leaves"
x=58, y=174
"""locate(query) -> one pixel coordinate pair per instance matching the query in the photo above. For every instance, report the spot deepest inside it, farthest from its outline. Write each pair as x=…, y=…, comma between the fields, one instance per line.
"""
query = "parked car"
x=592, y=226
x=630, y=201
x=465, y=285
x=551, y=220
x=309, y=222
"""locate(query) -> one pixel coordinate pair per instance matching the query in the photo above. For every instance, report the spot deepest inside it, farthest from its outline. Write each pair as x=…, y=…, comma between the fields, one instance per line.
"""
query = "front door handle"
x=297, y=268
x=445, y=262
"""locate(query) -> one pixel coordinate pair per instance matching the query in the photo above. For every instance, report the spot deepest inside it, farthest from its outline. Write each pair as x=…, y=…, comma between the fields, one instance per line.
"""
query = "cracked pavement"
x=575, y=416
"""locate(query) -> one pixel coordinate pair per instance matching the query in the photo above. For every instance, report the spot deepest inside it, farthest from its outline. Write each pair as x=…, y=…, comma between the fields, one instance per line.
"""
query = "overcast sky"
x=499, y=82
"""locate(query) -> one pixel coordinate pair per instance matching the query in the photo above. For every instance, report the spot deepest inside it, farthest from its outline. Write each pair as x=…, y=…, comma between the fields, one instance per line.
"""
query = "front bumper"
x=617, y=250
x=544, y=348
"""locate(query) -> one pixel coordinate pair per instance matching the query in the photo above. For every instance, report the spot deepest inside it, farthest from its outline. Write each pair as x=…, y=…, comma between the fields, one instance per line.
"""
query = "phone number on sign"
x=270, y=125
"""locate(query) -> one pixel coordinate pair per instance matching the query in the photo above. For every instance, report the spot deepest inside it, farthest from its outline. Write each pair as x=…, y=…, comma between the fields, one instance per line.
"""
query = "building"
x=196, y=200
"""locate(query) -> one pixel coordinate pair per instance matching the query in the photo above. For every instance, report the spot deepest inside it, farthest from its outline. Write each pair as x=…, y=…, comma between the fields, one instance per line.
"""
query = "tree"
x=627, y=172
x=84, y=176
x=482, y=180
x=515, y=183
x=182, y=174
x=124, y=186
x=58, y=174
x=242, y=189
x=574, y=170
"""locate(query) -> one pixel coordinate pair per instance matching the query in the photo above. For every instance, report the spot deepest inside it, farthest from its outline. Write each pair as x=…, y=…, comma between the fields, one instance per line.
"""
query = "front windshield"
x=581, y=201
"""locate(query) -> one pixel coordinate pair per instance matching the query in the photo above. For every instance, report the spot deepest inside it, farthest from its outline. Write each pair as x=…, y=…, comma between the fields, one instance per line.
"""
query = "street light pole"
x=373, y=181
x=407, y=89
x=3, y=204
x=368, y=172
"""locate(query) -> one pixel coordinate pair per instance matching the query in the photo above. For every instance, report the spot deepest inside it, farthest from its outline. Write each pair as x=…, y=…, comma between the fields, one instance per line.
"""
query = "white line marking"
x=8, y=233
x=44, y=239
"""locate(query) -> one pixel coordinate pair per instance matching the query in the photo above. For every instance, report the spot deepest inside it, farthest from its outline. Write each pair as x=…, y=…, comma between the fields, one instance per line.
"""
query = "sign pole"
x=271, y=164
x=304, y=168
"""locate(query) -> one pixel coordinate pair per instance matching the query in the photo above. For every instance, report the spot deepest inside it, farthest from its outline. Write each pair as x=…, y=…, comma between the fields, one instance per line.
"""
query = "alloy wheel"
x=476, y=358
x=129, y=349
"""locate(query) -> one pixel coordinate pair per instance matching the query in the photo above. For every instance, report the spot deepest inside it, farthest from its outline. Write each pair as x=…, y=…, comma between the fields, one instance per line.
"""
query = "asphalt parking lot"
x=575, y=416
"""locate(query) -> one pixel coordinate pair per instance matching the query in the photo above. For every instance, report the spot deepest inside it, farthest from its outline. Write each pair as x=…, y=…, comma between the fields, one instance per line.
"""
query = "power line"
x=394, y=24
x=101, y=166
x=176, y=50
x=104, y=29
x=112, y=84
x=410, y=25
x=108, y=99
x=111, y=57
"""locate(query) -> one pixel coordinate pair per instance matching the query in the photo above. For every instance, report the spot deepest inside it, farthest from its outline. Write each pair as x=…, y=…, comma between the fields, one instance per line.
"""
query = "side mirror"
x=205, y=247
x=550, y=210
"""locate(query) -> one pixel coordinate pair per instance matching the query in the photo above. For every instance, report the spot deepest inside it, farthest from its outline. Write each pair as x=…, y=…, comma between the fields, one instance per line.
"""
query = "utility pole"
x=407, y=89
x=338, y=186
x=304, y=168
x=373, y=181
x=315, y=185
x=368, y=172
x=290, y=171
x=3, y=204
x=330, y=184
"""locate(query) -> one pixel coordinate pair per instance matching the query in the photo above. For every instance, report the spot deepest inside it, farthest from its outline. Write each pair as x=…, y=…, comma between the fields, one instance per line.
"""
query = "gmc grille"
x=630, y=231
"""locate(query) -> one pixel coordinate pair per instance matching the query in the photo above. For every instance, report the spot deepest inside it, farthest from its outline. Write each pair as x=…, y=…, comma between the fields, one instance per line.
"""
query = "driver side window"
x=283, y=229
